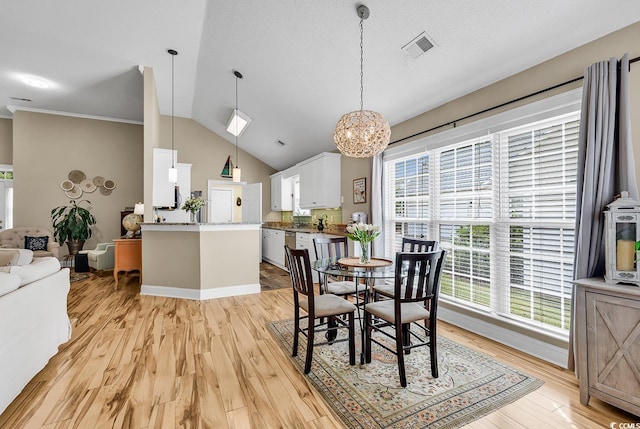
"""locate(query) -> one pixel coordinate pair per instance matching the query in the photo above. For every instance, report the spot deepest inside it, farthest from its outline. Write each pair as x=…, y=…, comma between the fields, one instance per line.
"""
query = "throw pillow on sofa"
x=36, y=243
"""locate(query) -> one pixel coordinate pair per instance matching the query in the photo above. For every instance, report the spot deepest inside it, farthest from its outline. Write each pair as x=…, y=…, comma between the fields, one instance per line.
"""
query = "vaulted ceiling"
x=300, y=59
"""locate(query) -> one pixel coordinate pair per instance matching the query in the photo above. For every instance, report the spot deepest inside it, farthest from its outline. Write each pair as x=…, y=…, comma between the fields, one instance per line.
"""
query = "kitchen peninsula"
x=200, y=261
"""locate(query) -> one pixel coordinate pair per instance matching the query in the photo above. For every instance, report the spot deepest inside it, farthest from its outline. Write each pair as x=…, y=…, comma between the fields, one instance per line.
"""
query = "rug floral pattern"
x=470, y=384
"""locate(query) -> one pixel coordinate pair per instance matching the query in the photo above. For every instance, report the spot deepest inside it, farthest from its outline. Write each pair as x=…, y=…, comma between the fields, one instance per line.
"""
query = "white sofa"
x=33, y=317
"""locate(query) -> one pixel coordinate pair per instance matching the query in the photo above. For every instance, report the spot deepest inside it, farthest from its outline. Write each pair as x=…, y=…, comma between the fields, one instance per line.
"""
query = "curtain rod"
x=506, y=103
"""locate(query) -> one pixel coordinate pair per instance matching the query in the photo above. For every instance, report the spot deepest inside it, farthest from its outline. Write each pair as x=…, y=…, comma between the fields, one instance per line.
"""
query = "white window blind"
x=503, y=205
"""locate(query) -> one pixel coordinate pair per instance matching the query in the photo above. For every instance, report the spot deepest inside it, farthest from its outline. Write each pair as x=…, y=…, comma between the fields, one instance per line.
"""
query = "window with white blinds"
x=503, y=205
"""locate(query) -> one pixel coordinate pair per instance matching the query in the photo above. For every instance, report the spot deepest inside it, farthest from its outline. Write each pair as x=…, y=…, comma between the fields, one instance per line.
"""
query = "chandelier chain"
x=361, y=62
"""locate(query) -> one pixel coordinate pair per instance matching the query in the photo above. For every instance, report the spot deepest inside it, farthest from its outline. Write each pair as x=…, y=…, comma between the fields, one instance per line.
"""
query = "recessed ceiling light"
x=35, y=81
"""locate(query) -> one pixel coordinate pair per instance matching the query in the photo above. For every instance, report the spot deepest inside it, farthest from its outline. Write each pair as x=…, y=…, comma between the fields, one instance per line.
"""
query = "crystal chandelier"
x=362, y=133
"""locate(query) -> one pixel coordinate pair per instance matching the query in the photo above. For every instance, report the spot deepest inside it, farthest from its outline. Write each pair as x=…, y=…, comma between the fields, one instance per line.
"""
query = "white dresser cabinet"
x=608, y=343
x=320, y=181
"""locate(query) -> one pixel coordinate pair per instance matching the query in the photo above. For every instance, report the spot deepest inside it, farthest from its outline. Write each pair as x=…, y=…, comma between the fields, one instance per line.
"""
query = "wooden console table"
x=128, y=257
x=608, y=328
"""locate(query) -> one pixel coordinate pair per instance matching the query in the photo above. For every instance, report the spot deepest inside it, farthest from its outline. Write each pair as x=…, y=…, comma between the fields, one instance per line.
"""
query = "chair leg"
x=400, y=353
x=310, y=337
x=332, y=330
x=367, y=335
x=433, y=354
x=406, y=337
x=352, y=340
x=296, y=332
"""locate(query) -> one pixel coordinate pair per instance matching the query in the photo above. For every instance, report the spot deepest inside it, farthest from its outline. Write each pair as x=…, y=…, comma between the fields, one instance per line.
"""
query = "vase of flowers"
x=193, y=206
x=364, y=234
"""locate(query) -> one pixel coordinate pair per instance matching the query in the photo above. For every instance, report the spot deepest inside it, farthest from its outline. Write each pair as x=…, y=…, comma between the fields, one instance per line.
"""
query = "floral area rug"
x=470, y=384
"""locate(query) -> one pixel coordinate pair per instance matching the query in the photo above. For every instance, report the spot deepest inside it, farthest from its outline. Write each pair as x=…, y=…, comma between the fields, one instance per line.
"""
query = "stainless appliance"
x=359, y=217
x=289, y=240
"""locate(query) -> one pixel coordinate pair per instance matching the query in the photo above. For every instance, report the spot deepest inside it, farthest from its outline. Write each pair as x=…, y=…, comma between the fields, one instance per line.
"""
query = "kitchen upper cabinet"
x=281, y=192
x=320, y=181
x=163, y=190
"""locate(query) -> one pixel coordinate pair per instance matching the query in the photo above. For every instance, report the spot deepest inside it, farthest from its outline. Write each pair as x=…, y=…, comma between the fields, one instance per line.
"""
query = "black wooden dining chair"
x=408, y=245
x=327, y=306
x=394, y=317
x=335, y=247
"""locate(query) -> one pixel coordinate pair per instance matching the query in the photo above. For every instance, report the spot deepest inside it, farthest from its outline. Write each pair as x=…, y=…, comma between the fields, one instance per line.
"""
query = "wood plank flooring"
x=150, y=362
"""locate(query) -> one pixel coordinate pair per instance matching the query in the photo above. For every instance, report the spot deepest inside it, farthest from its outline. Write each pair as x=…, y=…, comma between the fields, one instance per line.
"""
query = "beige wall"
x=207, y=152
x=557, y=70
x=6, y=141
x=151, y=135
x=354, y=168
x=47, y=147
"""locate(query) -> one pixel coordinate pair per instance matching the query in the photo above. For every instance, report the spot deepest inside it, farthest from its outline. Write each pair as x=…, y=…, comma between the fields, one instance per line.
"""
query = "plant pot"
x=75, y=246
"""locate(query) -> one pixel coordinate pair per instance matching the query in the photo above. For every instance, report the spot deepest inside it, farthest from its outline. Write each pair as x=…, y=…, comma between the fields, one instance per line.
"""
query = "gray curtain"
x=376, y=203
x=605, y=165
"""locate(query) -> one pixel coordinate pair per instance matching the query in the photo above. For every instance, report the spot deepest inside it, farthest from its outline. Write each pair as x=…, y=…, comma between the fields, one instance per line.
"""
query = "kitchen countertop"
x=306, y=229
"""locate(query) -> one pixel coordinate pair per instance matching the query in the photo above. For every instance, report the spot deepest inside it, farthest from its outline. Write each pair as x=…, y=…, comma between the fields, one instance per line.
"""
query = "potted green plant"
x=72, y=224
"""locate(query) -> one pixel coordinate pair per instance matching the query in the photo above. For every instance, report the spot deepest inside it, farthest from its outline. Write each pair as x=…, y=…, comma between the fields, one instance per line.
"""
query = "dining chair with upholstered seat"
x=335, y=247
x=321, y=307
x=394, y=317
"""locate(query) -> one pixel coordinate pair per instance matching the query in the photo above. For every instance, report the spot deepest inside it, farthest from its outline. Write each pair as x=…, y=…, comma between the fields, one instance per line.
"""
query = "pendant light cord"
x=361, y=60
x=237, y=162
x=172, y=132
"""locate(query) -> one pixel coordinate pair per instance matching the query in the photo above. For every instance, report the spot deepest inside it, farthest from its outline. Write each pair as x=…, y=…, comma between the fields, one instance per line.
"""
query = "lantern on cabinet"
x=622, y=231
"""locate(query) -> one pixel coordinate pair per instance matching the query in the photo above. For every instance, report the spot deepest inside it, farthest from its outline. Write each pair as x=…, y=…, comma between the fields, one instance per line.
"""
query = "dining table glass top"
x=331, y=267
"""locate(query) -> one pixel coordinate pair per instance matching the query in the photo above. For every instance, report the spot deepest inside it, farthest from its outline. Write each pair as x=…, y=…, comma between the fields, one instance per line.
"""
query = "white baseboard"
x=536, y=347
x=199, y=294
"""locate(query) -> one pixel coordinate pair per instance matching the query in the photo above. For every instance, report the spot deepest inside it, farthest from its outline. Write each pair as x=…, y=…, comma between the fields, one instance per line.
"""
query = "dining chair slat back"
x=335, y=248
x=418, y=245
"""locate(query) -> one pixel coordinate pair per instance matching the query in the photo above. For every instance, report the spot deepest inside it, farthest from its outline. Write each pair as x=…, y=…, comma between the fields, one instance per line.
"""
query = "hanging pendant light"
x=237, y=174
x=173, y=171
x=363, y=133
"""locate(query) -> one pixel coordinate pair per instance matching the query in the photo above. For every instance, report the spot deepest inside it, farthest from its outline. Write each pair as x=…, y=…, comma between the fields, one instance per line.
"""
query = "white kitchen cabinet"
x=273, y=246
x=163, y=190
x=320, y=181
x=281, y=192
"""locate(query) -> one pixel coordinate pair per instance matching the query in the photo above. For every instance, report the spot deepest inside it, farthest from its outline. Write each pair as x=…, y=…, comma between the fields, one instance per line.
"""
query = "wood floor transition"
x=150, y=362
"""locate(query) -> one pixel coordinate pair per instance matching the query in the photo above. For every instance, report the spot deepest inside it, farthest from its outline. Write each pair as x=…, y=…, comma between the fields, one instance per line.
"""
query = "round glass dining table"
x=367, y=274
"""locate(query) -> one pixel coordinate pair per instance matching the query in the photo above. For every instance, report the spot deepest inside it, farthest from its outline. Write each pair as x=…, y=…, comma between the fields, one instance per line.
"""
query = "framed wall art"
x=360, y=190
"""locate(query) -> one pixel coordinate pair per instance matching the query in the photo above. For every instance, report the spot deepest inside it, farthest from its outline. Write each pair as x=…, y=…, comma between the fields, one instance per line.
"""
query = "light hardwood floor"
x=149, y=362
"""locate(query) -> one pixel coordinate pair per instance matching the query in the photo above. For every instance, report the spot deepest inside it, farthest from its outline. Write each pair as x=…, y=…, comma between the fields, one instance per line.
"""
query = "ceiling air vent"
x=418, y=46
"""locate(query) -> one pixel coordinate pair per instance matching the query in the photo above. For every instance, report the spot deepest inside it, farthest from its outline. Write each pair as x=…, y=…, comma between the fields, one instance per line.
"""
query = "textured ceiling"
x=300, y=58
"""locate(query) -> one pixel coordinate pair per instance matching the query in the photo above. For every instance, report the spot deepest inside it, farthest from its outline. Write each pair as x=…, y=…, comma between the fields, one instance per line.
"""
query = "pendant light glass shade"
x=237, y=175
x=173, y=175
x=362, y=133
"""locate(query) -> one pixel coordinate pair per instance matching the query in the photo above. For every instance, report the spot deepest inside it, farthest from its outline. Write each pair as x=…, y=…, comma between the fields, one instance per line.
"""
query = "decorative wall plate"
x=87, y=185
x=109, y=184
x=66, y=185
x=74, y=193
x=105, y=191
x=98, y=181
x=77, y=176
